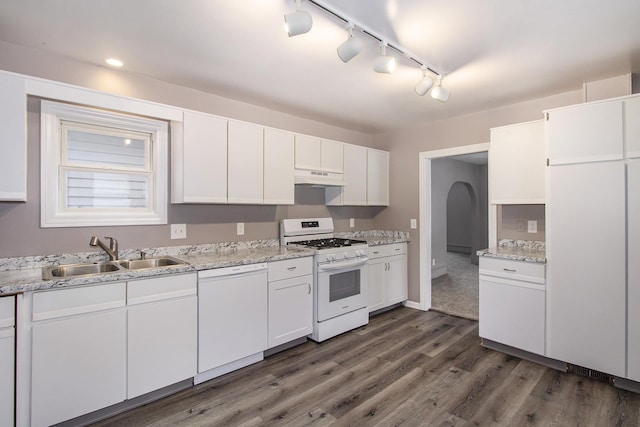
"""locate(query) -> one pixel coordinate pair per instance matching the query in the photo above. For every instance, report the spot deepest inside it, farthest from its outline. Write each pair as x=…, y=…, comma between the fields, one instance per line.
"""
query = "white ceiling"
x=493, y=52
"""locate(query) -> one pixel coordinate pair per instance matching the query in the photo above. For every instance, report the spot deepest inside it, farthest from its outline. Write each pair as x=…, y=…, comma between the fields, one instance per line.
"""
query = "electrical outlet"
x=433, y=262
x=178, y=231
x=414, y=223
x=352, y=222
x=532, y=226
x=240, y=229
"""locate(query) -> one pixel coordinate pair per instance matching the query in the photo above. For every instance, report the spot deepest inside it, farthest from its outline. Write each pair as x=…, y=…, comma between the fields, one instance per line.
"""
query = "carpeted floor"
x=456, y=292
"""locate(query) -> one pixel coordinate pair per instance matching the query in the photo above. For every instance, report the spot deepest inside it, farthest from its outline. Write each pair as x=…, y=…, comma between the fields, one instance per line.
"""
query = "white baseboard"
x=412, y=304
x=438, y=270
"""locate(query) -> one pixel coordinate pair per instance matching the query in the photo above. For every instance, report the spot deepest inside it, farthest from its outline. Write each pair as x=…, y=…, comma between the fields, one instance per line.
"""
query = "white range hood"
x=319, y=178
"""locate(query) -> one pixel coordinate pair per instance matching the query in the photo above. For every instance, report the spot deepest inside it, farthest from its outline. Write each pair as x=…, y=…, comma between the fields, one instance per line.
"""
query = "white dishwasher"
x=232, y=319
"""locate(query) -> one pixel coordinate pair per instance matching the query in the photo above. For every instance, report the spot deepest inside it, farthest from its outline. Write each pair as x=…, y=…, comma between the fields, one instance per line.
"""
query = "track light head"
x=298, y=22
x=350, y=48
x=425, y=84
x=383, y=63
x=440, y=93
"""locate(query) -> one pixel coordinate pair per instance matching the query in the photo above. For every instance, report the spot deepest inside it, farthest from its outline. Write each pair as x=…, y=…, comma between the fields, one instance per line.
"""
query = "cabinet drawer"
x=279, y=270
x=7, y=306
x=161, y=288
x=85, y=299
x=387, y=250
x=515, y=270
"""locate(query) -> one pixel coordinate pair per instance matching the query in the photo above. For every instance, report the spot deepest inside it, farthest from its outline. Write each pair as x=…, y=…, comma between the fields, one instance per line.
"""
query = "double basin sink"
x=74, y=270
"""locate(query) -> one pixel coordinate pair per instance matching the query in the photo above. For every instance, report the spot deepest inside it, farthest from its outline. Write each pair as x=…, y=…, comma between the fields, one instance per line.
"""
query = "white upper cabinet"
x=199, y=159
x=318, y=154
x=278, y=167
x=517, y=164
x=245, y=151
x=585, y=133
x=355, y=175
x=331, y=156
x=377, y=177
x=13, y=134
x=307, y=152
x=632, y=127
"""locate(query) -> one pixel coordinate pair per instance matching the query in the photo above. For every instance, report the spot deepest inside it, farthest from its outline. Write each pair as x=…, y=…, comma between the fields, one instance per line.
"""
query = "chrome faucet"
x=112, y=250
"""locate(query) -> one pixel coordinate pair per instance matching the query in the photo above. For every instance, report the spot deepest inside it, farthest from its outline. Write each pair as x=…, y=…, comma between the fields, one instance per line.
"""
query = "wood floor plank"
x=405, y=368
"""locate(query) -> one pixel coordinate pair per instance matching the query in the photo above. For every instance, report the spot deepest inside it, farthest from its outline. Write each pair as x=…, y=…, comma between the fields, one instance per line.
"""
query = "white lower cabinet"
x=290, y=300
x=633, y=280
x=512, y=303
x=7, y=356
x=162, y=346
x=78, y=362
x=387, y=275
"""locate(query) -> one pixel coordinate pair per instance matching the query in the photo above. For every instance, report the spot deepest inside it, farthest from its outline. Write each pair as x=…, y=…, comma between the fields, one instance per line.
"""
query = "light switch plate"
x=532, y=226
x=178, y=231
x=352, y=222
x=240, y=229
x=414, y=223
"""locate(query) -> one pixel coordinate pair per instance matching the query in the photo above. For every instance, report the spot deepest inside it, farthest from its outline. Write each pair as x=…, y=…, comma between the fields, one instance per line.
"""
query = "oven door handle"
x=342, y=265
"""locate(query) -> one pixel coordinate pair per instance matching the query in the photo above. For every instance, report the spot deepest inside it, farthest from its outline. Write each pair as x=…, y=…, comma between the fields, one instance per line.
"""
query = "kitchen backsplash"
x=514, y=220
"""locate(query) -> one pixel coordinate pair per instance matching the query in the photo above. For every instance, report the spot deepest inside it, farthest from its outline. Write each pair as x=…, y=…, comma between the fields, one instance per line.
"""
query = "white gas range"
x=340, y=275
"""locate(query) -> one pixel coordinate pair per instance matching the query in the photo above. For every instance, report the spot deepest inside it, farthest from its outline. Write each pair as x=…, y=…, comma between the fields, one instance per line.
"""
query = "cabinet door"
x=278, y=167
x=307, y=152
x=246, y=160
x=633, y=301
x=13, y=134
x=331, y=156
x=355, y=175
x=517, y=164
x=161, y=344
x=396, y=279
x=632, y=127
x=377, y=178
x=7, y=355
x=512, y=315
x=376, y=292
x=586, y=240
x=585, y=133
x=199, y=159
x=290, y=310
x=78, y=365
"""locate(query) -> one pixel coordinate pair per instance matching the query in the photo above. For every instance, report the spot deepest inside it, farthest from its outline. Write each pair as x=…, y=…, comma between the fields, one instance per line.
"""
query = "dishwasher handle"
x=233, y=271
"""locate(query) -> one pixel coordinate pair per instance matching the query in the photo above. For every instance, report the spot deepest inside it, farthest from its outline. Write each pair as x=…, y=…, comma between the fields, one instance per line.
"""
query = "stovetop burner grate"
x=333, y=242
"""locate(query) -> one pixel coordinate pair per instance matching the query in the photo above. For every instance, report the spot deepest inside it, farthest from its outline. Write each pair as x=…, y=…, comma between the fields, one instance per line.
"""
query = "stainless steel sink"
x=74, y=270
x=139, y=264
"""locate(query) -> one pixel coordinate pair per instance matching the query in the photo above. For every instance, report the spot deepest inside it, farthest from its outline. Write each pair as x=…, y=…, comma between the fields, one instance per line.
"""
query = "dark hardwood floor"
x=406, y=367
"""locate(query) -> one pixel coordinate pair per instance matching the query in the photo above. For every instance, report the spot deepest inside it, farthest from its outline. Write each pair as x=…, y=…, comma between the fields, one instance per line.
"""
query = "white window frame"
x=52, y=191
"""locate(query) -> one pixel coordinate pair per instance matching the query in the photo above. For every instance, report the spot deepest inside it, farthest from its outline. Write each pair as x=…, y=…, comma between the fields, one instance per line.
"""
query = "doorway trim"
x=424, y=188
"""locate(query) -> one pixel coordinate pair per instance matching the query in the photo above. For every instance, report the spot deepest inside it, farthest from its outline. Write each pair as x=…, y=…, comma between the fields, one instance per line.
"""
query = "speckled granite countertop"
x=24, y=274
x=517, y=250
x=377, y=237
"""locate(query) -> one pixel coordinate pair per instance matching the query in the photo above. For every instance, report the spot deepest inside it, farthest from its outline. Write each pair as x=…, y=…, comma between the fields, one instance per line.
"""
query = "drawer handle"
x=376, y=252
x=309, y=284
x=292, y=268
x=509, y=270
x=397, y=249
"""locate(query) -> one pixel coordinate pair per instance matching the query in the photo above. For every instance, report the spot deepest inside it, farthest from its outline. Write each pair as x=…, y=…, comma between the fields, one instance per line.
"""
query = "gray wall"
x=459, y=216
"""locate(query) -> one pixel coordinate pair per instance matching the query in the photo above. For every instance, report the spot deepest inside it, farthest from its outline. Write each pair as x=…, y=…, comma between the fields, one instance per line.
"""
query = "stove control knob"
x=359, y=252
x=349, y=255
x=331, y=257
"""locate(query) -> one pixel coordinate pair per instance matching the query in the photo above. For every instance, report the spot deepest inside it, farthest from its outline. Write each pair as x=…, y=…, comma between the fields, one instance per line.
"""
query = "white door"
x=632, y=126
x=290, y=309
x=331, y=156
x=307, y=153
x=13, y=133
x=586, y=239
x=355, y=175
x=246, y=163
x=396, y=279
x=377, y=178
x=278, y=167
x=585, y=133
x=199, y=159
x=633, y=301
x=376, y=291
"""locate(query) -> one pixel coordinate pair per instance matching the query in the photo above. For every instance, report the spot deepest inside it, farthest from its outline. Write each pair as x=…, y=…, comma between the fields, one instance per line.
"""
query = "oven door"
x=341, y=288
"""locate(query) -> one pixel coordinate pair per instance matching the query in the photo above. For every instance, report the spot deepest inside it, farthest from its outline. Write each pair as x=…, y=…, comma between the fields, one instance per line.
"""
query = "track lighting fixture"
x=298, y=22
x=350, y=47
x=440, y=93
x=383, y=63
x=425, y=84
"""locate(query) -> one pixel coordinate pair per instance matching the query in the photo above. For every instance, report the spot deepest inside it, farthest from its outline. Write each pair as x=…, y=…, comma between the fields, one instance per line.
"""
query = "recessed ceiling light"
x=114, y=62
